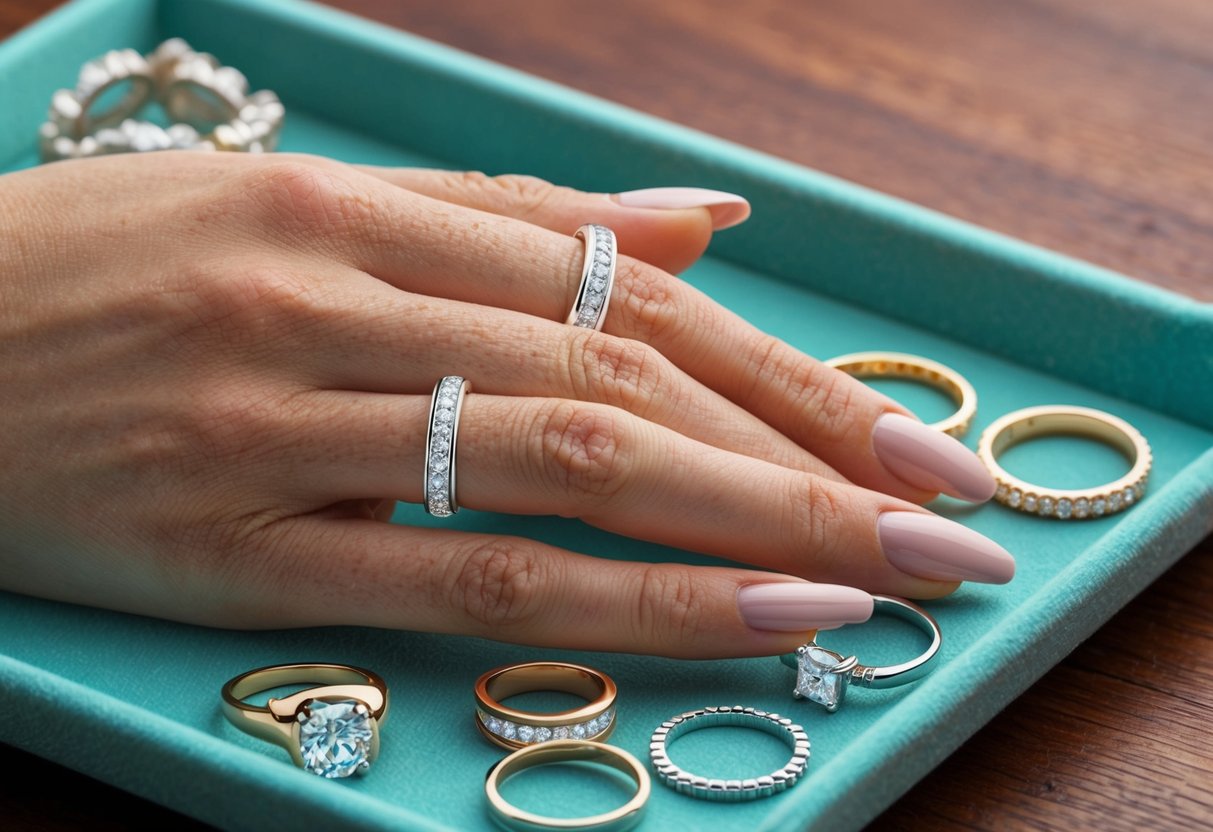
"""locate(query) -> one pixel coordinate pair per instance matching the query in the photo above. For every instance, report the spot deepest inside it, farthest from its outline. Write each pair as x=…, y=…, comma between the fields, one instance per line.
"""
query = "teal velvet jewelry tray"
x=830, y=267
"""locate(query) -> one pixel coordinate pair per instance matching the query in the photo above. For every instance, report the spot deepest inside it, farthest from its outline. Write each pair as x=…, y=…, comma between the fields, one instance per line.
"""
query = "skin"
x=217, y=371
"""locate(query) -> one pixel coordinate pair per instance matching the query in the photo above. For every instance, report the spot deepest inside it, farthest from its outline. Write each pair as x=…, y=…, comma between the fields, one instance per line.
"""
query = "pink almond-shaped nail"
x=926, y=458
x=932, y=547
x=792, y=606
x=727, y=209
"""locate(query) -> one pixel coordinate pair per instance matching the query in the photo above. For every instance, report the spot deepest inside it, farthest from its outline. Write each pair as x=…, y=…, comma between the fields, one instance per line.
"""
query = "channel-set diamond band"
x=513, y=728
x=823, y=676
x=441, y=444
x=331, y=730
x=1066, y=504
x=916, y=368
x=510, y=817
x=693, y=785
x=597, y=277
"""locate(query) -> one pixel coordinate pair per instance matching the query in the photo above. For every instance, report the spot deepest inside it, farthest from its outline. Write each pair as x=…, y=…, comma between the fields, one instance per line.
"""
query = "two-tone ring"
x=331, y=729
x=441, y=443
x=916, y=368
x=823, y=676
x=513, y=728
x=597, y=277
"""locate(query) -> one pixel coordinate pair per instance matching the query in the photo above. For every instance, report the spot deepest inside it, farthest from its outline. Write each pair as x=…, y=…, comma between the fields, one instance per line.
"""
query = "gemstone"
x=335, y=737
x=493, y=724
x=1014, y=498
x=543, y=734
x=444, y=415
x=561, y=732
x=578, y=731
x=508, y=729
x=603, y=257
x=1002, y=492
x=437, y=482
x=526, y=733
x=1029, y=503
x=439, y=451
x=816, y=679
x=600, y=270
x=1129, y=496
x=1046, y=506
x=446, y=400
x=1114, y=501
x=1082, y=507
x=1064, y=508
x=1098, y=506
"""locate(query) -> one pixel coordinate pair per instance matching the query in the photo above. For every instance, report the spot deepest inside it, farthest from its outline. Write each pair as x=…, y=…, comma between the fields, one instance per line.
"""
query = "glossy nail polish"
x=792, y=606
x=727, y=209
x=929, y=546
x=926, y=458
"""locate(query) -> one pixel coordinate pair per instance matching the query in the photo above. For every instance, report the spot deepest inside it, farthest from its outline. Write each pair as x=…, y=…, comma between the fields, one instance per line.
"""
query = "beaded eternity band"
x=923, y=370
x=192, y=87
x=1066, y=504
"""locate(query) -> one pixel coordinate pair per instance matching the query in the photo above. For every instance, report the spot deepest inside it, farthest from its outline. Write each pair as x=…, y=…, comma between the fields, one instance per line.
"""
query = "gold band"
x=564, y=751
x=512, y=728
x=282, y=721
x=917, y=368
x=1066, y=504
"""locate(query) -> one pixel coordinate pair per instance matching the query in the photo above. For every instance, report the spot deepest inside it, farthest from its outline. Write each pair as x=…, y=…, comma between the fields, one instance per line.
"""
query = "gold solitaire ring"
x=331, y=729
x=512, y=728
x=916, y=368
x=1069, y=503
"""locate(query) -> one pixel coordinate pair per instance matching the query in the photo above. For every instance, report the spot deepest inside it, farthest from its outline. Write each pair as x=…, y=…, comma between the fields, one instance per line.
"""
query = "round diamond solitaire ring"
x=822, y=676
x=512, y=728
x=1079, y=504
x=446, y=405
x=331, y=730
x=597, y=277
x=917, y=368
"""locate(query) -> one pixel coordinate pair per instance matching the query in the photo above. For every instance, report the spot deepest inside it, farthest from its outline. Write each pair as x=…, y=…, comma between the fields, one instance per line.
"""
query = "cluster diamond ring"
x=823, y=676
x=693, y=785
x=331, y=730
x=916, y=368
x=512, y=728
x=1066, y=504
x=446, y=405
x=597, y=277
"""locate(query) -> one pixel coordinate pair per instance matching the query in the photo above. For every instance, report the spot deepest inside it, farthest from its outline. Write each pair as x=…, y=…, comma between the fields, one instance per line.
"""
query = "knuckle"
x=818, y=520
x=619, y=371
x=670, y=606
x=581, y=445
x=248, y=305
x=302, y=198
x=821, y=393
x=517, y=194
x=649, y=298
x=498, y=584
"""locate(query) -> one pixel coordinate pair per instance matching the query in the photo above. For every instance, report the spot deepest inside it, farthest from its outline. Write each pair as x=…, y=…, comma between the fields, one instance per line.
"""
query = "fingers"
x=510, y=589
x=669, y=227
x=623, y=474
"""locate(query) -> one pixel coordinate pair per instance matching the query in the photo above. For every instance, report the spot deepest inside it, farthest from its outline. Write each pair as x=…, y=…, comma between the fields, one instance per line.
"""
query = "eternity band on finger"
x=752, y=788
x=597, y=277
x=823, y=676
x=441, y=444
x=513, y=728
x=916, y=368
x=331, y=729
x=1066, y=504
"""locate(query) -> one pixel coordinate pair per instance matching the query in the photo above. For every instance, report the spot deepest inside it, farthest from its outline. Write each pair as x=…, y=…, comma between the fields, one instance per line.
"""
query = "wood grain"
x=1084, y=127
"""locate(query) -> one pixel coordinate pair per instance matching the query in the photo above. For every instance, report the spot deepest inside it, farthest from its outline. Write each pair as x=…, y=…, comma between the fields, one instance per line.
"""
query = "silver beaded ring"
x=446, y=405
x=684, y=782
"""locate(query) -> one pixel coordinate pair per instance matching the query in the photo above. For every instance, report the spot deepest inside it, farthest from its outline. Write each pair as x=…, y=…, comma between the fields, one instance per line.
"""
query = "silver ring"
x=446, y=405
x=597, y=277
x=693, y=785
x=822, y=676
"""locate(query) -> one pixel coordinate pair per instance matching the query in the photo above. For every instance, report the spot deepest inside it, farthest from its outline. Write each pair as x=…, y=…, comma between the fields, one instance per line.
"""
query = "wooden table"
x=1084, y=127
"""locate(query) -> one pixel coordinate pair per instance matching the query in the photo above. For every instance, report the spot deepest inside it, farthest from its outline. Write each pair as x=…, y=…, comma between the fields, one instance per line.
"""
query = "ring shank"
x=919, y=369
x=891, y=676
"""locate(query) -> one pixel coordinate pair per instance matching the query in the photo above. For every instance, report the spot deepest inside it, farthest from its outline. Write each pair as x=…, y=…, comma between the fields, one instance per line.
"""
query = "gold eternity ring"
x=1066, y=504
x=923, y=370
x=512, y=728
x=331, y=730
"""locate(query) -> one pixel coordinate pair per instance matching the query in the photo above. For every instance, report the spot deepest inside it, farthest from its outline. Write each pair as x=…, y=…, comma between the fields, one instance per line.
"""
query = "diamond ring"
x=822, y=676
x=917, y=368
x=331, y=730
x=597, y=277
x=512, y=728
x=1077, y=504
x=446, y=405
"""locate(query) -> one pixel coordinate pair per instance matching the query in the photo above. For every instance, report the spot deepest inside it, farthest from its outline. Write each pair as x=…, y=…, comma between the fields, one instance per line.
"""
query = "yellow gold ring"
x=331, y=730
x=1068, y=503
x=512, y=728
x=917, y=368
x=508, y=816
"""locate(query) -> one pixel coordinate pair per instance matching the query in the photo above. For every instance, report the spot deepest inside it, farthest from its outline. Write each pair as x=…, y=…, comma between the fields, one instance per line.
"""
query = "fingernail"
x=928, y=546
x=926, y=458
x=727, y=209
x=793, y=606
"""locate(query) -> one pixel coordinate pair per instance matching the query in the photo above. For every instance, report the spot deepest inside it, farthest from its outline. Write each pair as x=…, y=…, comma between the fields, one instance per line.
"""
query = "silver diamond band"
x=822, y=676
x=597, y=277
x=731, y=791
x=446, y=404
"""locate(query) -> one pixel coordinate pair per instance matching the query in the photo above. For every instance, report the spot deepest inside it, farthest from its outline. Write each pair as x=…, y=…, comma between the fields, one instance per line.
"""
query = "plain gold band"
x=1066, y=504
x=511, y=680
x=625, y=817
x=917, y=368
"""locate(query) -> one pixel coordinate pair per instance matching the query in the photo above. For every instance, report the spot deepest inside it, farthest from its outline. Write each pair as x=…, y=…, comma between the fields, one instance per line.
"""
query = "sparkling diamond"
x=543, y=734
x=335, y=738
x=508, y=729
x=1014, y=498
x=1046, y=506
x=444, y=415
x=493, y=724
x=1140, y=489
x=1064, y=508
x=437, y=482
x=561, y=732
x=446, y=400
x=593, y=299
x=1029, y=503
x=600, y=270
x=603, y=257
x=1129, y=496
x=593, y=727
x=1002, y=492
x=1099, y=506
x=816, y=679
x=1114, y=501
x=1082, y=507
x=578, y=731
x=439, y=451
x=526, y=733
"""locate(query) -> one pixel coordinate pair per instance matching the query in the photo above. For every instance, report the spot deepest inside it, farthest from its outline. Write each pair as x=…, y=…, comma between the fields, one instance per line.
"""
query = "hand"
x=216, y=372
